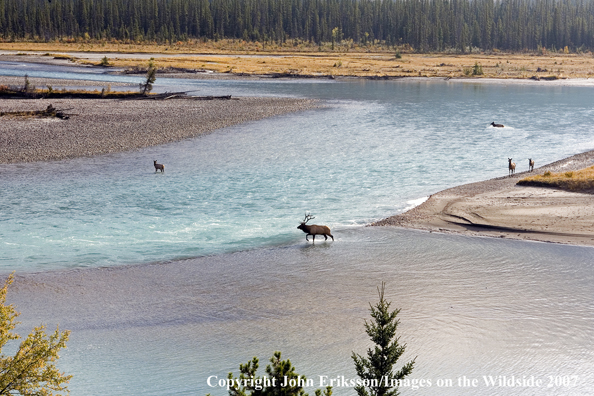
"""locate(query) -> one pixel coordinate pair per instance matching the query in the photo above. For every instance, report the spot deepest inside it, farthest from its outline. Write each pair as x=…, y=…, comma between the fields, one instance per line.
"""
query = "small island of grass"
x=578, y=181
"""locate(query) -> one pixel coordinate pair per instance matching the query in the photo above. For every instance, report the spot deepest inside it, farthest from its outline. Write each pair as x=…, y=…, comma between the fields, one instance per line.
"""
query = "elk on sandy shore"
x=531, y=164
x=314, y=229
x=159, y=167
x=511, y=166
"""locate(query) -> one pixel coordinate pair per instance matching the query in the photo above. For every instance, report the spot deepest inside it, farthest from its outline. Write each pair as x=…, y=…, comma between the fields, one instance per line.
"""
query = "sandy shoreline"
x=499, y=208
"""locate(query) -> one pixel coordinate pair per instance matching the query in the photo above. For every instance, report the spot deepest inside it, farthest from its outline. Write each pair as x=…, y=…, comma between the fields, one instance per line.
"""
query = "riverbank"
x=316, y=64
x=101, y=126
x=502, y=209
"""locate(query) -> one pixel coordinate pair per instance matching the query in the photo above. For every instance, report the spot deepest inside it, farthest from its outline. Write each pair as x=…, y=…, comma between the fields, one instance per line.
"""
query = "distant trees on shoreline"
x=423, y=25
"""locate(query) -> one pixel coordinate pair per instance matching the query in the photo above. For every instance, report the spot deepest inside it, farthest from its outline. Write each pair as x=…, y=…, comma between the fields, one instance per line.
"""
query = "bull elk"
x=511, y=166
x=314, y=229
x=159, y=167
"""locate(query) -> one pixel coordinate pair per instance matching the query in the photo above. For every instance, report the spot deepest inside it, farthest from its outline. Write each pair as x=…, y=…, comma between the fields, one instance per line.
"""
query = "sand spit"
x=500, y=208
x=102, y=126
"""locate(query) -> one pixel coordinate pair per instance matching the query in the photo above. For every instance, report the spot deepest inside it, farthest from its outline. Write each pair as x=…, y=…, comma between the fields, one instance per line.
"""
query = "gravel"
x=102, y=126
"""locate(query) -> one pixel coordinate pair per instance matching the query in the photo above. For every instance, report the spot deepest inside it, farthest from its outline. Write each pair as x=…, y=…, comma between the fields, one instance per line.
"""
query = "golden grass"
x=378, y=65
x=61, y=56
x=581, y=180
x=302, y=59
x=56, y=93
x=20, y=114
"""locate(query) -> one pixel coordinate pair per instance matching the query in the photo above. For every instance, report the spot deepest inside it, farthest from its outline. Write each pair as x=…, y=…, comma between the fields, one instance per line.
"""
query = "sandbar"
x=502, y=209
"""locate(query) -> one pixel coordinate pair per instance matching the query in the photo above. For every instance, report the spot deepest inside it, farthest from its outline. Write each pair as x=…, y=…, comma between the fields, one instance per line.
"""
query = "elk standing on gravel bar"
x=511, y=166
x=314, y=229
x=531, y=164
x=159, y=167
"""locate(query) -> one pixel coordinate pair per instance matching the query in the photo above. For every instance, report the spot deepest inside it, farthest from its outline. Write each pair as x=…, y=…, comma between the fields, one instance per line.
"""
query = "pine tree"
x=151, y=76
x=377, y=369
x=272, y=385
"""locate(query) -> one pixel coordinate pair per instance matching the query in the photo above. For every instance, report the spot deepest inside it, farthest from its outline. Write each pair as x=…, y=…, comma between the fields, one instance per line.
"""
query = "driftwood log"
x=13, y=93
x=177, y=95
x=50, y=111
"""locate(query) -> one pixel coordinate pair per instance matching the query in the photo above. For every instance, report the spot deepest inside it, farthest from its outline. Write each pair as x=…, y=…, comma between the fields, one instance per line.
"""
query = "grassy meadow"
x=301, y=59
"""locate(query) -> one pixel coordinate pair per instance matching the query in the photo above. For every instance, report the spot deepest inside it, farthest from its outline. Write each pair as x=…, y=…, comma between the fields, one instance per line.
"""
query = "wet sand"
x=500, y=208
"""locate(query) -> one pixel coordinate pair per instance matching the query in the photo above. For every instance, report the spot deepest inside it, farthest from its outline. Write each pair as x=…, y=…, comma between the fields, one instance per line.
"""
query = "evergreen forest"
x=422, y=25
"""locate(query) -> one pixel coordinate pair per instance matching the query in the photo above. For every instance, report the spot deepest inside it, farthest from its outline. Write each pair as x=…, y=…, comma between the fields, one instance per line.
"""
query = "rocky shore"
x=102, y=126
x=500, y=208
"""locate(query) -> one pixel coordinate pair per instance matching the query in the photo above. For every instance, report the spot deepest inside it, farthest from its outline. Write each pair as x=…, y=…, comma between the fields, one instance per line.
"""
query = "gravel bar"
x=102, y=126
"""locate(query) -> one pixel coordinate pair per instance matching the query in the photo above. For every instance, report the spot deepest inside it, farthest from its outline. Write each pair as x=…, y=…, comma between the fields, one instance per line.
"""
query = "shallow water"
x=470, y=307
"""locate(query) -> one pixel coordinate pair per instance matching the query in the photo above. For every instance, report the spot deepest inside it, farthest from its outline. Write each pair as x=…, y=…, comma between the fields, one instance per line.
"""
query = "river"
x=162, y=294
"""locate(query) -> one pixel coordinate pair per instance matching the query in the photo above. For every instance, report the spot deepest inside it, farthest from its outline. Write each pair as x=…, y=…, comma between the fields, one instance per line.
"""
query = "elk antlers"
x=307, y=218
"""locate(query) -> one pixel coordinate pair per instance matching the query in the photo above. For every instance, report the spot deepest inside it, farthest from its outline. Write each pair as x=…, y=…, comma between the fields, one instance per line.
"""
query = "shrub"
x=279, y=371
x=32, y=370
x=28, y=87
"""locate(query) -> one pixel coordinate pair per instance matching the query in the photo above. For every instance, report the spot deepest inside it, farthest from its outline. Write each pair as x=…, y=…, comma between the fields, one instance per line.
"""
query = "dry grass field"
x=581, y=180
x=301, y=60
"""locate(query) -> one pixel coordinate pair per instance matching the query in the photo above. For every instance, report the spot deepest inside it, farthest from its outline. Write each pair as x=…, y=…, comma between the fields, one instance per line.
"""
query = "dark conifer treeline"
x=426, y=25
